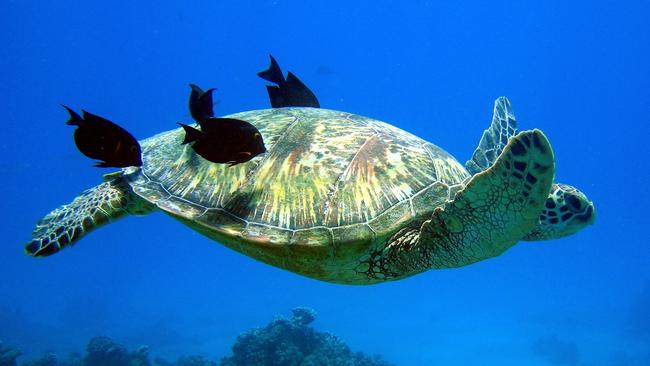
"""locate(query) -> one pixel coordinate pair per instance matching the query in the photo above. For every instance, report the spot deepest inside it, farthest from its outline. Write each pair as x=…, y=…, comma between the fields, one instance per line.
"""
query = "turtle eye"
x=257, y=135
x=574, y=202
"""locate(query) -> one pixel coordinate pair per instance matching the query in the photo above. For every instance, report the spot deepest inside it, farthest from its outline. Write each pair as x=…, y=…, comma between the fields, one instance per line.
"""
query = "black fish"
x=201, y=103
x=289, y=92
x=225, y=140
x=101, y=139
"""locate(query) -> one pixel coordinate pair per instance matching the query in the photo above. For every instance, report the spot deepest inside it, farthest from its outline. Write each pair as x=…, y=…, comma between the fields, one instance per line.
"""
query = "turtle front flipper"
x=495, y=138
x=93, y=208
x=496, y=209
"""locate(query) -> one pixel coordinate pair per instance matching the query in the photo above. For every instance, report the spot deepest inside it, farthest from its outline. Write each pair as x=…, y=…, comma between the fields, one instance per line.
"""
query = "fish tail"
x=273, y=73
x=191, y=134
x=196, y=89
x=75, y=118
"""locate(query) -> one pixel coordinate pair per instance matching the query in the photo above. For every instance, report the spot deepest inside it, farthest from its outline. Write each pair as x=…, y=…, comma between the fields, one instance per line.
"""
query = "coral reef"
x=186, y=361
x=283, y=342
x=100, y=351
x=140, y=357
x=292, y=342
x=195, y=361
x=48, y=359
x=8, y=355
x=103, y=351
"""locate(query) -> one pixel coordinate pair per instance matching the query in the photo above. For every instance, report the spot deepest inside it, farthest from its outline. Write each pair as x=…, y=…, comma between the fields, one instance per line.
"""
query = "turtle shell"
x=331, y=186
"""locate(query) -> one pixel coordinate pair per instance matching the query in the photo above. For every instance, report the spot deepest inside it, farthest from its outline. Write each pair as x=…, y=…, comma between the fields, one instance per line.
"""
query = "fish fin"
x=93, y=118
x=201, y=105
x=246, y=156
x=197, y=89
x=273, y=73
x=289, y=92
x=276, y=97
x=75, y=118
x=206, y=103
x=191, y=134
x=220, y=125
x=211, y=124
x=300, y=95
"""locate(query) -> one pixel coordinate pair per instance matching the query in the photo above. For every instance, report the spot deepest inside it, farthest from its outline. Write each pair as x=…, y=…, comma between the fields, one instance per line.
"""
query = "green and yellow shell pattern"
x=332, y=187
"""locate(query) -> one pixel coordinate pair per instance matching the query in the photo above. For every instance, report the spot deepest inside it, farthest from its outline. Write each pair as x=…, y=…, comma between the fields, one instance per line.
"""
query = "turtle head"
x=566, y=211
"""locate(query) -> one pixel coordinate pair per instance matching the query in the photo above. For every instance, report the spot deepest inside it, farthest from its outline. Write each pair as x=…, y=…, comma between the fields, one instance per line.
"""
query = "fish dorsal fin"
x=495, y=138
x=201, y=105
x=301, y=95
x=289, y=92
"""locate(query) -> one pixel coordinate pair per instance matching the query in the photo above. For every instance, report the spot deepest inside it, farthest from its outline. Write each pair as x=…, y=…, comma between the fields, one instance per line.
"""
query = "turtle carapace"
x=341, y=197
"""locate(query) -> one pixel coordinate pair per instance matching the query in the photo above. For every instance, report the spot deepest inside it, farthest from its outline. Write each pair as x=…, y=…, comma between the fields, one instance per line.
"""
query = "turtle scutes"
x=337, y=197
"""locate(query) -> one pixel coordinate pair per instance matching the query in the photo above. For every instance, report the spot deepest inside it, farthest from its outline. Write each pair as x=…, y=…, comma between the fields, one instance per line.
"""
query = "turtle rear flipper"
x=93, y=208
x=496, y=209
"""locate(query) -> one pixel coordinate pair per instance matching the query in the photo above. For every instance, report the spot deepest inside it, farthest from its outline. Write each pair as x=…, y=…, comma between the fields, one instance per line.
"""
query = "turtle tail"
x=93, y=208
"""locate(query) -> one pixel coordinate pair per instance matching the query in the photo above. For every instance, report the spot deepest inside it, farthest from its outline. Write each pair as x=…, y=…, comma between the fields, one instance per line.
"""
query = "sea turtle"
x=342, y=198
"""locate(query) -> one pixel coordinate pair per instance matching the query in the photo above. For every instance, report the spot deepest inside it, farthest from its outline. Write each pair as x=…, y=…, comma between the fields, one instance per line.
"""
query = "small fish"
x=101, y=139
x=225, y=140
x=289, y=92
x=201, y=106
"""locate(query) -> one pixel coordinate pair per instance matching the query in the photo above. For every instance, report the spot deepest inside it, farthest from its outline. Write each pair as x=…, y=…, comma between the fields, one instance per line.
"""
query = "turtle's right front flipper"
x=93, y=208
x=495, y=138
x=496, y=209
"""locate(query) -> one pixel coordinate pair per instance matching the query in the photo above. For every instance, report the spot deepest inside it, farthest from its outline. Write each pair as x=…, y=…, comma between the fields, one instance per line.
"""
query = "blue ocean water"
x=576, y=70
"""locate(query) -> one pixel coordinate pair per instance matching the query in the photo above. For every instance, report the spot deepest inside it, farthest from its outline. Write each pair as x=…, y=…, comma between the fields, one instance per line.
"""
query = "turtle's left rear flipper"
x=91, y=209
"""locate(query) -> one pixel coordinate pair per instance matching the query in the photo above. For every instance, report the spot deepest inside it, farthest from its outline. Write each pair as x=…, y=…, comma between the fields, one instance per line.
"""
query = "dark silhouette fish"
x=101, y=139
x=289, y=92
x=225, y=140
x=201, y=106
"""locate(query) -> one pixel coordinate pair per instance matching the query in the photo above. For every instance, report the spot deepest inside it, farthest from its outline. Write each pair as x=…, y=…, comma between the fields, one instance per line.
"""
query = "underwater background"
x=576, y=70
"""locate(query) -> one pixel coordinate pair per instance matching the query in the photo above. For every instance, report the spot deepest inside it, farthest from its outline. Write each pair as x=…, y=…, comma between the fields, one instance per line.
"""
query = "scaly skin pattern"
x=93, y=208
x=333, y=187
x=496, y=209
